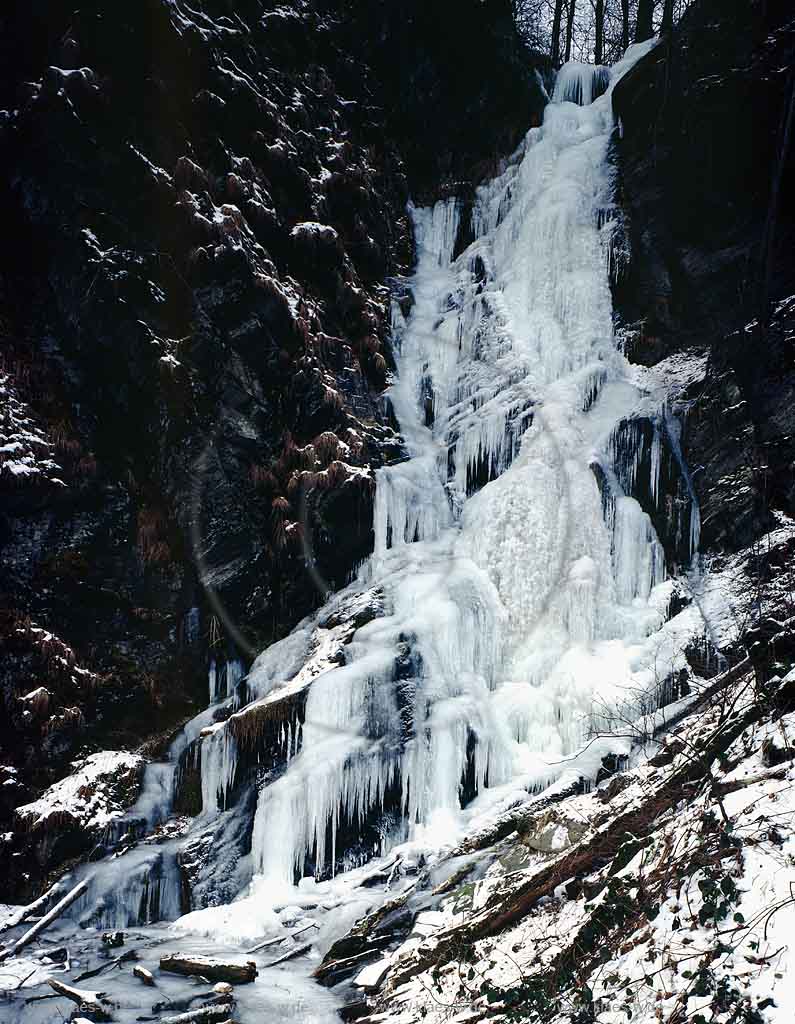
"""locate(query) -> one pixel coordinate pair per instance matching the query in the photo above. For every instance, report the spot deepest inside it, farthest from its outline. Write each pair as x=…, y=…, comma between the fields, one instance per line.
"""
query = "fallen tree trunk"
x=202, y=1015
x=88, y=1001
x=129, y=955
x=331, y=971
x=206, y=967
x=267, y=943
x=46, y=921
x=772, y=775
x=32, y=908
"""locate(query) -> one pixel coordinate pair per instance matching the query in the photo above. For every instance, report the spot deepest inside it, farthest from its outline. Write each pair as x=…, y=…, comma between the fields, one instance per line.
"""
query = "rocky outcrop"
x=705, y=182
x=460, y=90
x=70, y=818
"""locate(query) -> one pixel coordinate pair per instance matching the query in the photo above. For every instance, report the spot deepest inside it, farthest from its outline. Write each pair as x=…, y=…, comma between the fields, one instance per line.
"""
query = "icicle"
x=656, y=460
x=218, y=752
x=235, y=670
x=580, y=83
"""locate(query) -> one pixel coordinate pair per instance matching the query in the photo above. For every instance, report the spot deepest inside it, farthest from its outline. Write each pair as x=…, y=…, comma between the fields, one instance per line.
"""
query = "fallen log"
x=88, y=1001
x=283, y=938
x=46, y=921
x=331, y=971
x=771, y=775
x=202, y=1015
x=267, y=943
x=32, y=908
x=290, y=954
x=304, y=928
x=206, y=967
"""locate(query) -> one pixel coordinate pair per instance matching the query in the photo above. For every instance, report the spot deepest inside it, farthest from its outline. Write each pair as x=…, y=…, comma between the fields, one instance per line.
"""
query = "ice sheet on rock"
x=218, y=755
x=580, y=83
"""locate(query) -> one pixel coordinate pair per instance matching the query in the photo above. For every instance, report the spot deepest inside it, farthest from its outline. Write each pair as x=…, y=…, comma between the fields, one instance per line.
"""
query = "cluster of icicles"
x=528, y=588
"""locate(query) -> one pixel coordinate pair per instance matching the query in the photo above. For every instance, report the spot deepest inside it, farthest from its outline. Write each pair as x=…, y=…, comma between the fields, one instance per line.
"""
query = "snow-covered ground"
x=675, y=900
x=97, y=791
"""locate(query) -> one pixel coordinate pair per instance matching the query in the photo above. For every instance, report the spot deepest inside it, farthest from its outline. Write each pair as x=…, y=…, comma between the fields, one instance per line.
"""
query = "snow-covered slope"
x=664, y=895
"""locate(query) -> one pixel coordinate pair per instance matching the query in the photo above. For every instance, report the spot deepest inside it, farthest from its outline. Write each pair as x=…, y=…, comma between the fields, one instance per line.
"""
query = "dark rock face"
x=202, y=208
x=706, y=185
x=459, y=91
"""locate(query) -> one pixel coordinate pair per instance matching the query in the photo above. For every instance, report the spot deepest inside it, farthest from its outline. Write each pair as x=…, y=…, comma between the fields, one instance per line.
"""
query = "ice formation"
x=517, y=589
x=527, y=584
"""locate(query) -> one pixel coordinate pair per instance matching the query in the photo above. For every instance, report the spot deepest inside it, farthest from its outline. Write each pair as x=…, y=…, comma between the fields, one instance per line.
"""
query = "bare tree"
x=643, y=25
x=598, y=31
x=570, y=27
x=556, y=20
x=599, y=28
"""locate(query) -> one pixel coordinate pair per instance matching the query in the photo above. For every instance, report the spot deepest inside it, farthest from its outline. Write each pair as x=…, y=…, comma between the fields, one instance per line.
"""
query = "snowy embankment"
x=664, y=895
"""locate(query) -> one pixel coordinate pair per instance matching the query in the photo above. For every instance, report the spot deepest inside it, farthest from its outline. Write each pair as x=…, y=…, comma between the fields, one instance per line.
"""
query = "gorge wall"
x=707, y=167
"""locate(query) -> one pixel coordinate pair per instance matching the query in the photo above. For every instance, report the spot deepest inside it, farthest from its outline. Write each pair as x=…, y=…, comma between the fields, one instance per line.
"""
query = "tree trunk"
x=94, y=1003
x=599, y=44
x=46, y=921
x=33, y=908
x=555, y=54
x=570, y=27
x=624, y=24
x=643, y=26
x=668, y=16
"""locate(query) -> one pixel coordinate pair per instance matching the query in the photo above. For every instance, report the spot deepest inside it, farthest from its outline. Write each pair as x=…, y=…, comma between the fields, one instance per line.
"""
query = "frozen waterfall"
x=518, y=588
x=527, y=585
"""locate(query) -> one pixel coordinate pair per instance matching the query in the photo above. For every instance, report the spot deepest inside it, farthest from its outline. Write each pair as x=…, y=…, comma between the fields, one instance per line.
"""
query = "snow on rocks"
x=26, y=452
x=101, y=788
